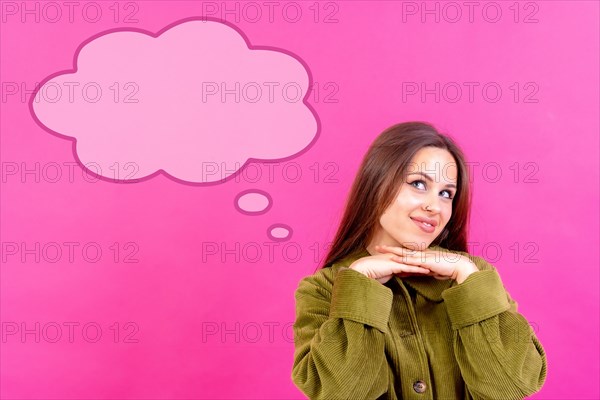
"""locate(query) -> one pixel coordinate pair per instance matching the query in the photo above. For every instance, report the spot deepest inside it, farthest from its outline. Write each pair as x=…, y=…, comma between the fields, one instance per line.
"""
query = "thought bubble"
x=253, y=202
x=194, y=101
x=256, y=202
x=279, y=232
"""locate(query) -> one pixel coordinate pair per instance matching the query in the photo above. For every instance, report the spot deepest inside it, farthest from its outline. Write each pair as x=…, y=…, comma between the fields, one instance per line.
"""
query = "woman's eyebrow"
x=430, y=179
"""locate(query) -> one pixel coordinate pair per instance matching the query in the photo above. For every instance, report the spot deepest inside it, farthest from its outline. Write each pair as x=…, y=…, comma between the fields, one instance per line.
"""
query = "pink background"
x=544, y=219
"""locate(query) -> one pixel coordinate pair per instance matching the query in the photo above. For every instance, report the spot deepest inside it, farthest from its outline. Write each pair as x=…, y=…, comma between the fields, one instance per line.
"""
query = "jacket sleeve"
x=339, y=336
x=497, y=351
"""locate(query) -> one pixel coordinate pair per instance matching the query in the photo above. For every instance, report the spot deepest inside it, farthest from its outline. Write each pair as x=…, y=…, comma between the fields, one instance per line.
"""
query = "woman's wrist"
x=465, y=270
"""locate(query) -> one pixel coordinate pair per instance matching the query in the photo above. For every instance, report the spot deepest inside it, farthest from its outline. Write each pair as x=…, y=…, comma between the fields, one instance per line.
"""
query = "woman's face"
x=426, y=195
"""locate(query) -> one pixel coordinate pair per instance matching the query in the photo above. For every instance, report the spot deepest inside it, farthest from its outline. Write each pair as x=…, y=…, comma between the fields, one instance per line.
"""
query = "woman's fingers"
x=399, y=267
x=407, y=259
x=412, y=262
x=404, y=255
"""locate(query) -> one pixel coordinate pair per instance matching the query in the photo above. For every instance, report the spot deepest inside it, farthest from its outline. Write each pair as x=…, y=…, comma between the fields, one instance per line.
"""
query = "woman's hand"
x=381, y=267
x=441, y=265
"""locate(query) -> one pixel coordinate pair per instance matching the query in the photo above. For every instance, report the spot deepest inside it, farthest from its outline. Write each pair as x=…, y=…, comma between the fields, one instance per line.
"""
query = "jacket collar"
x=426, y=286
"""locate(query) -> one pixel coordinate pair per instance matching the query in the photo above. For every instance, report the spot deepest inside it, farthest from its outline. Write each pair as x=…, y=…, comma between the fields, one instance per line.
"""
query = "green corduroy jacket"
x=412, y=338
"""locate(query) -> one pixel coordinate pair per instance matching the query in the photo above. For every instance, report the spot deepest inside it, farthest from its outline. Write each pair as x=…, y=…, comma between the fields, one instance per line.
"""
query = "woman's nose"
x=432, y=205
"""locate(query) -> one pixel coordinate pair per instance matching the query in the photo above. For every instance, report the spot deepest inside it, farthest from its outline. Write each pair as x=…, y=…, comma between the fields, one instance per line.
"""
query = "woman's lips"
x=424, y=227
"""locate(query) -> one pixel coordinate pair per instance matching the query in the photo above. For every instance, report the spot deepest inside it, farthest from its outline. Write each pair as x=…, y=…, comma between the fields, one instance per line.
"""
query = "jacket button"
x=419, y=386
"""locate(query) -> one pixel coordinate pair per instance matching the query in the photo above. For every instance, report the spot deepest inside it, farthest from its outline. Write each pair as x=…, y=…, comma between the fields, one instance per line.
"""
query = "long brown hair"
x=382, y=170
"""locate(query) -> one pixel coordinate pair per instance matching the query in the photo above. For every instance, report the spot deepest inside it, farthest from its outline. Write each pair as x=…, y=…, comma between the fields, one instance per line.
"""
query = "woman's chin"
x=417, y=246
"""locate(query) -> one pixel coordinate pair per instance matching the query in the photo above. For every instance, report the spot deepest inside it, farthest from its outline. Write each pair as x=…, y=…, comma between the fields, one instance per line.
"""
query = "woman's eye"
x=449, y=194
x=416, y=183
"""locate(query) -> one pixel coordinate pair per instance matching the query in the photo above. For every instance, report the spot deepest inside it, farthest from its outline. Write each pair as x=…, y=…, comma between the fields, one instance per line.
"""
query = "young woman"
x=400, y=310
